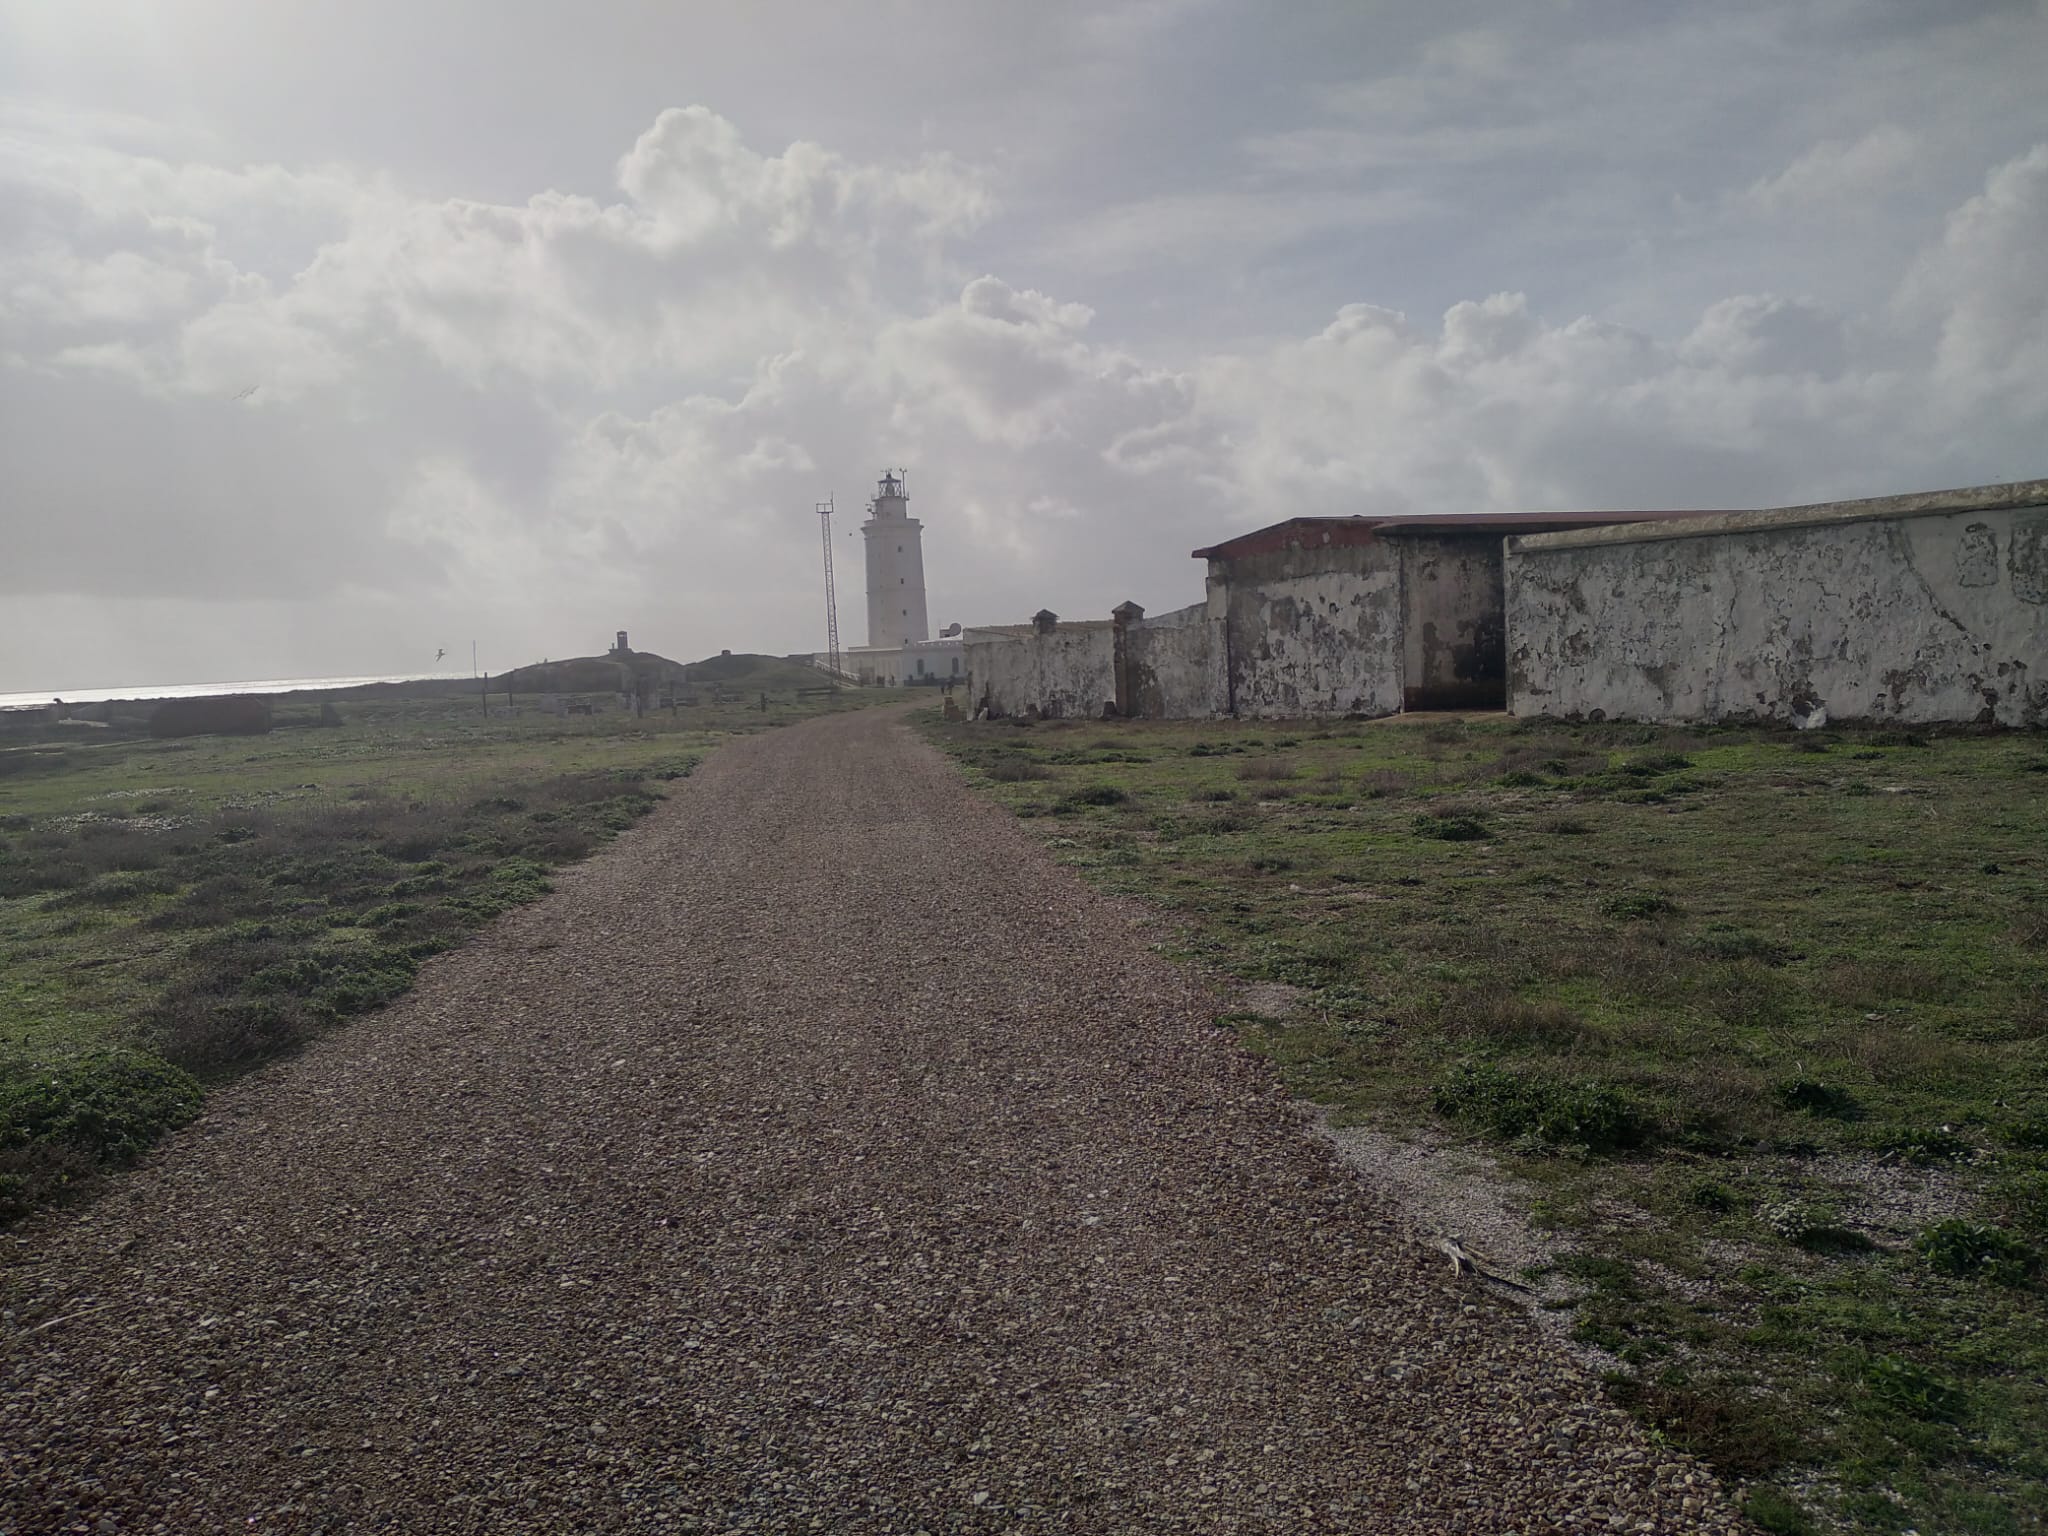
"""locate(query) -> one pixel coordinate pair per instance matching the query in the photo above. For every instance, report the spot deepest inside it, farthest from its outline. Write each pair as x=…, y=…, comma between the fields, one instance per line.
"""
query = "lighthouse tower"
x=895, y=551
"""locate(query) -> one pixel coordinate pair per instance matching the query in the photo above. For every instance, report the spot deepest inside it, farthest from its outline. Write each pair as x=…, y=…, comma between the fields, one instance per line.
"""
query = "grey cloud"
x=1436, y=276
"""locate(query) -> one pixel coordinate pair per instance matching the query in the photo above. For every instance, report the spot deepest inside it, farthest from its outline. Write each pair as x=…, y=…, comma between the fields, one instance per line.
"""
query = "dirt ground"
x=818, y=1157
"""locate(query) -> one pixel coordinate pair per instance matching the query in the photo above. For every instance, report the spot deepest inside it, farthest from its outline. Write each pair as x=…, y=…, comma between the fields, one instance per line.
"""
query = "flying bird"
x=439, y=654
x=245, y=394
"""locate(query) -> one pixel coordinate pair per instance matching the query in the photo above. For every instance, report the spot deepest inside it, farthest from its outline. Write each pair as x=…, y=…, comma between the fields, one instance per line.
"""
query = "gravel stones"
x=819, y=1157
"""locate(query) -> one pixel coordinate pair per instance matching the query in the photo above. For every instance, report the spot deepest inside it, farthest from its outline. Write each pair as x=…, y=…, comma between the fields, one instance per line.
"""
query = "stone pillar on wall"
x=1123, y=616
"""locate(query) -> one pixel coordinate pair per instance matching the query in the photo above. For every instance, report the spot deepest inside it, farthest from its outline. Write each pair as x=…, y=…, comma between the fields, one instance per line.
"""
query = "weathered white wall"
x=1175, y=663
x=1313, y=631
x=1454, y=638
x=1924, y=617
x=1069, y=672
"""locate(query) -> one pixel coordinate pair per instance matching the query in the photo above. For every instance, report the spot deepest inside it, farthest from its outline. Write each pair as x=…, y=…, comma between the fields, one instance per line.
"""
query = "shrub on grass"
x=117, y=889
x=1723, y=941
x=1565, y=826
x=1638, y=906
x=1707, y=1195
x=1266, y=768
x=2022, y=1198
x=1728, y=1426
x=1215, y=796
x=110, y=1105
x=1927, y=1144
x=1565, y=1111
x=1812, y=1097
x=1496, y=1015
x=1452, y=826
x=1092, y=794
x=2029, y=1134
x=1650, y=765
x=1014, y=768
x=61, y=1124
x=1913, y=1389
x=1978, y=1250
x=1777, y=1513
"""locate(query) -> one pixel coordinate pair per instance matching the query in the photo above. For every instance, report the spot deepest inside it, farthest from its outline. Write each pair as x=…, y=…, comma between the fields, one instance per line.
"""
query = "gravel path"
x=820, y=1157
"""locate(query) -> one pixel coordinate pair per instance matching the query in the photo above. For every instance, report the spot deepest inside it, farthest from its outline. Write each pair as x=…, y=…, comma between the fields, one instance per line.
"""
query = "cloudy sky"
x=335, y=333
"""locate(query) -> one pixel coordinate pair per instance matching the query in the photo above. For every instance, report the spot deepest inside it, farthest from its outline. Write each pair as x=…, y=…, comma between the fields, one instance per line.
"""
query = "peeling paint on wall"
x=1067, y=672
x=1313, y=632
x=2030, y=557
x=1882, y=618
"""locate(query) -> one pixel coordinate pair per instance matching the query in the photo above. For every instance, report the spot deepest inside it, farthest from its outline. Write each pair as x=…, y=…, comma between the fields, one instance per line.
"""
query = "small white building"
x=926, y=662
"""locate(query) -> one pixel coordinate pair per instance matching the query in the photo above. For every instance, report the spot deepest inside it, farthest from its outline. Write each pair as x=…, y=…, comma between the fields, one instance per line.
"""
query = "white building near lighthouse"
x=900, y=650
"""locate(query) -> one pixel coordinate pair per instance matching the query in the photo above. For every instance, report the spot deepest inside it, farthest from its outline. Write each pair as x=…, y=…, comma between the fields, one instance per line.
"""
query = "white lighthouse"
x=895, y=549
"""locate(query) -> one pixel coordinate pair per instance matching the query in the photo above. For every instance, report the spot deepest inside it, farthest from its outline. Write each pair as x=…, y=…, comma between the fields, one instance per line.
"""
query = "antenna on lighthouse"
x=831, y=595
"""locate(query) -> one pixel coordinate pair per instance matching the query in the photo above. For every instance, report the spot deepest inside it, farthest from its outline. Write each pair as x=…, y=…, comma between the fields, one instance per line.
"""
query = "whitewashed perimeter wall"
x=1917, y=619
x=1067, y=673
x=1176, y=666
x=1315, y=632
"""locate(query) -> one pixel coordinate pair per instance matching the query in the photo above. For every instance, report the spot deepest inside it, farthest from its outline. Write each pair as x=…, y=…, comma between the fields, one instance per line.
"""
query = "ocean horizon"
x=38, y=700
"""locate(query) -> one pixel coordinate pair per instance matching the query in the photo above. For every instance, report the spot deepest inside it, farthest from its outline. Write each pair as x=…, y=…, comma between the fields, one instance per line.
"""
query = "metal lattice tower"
x=831, y=595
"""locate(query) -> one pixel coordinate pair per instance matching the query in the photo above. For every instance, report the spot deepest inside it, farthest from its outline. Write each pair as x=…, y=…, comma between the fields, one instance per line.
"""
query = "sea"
x=208, y=690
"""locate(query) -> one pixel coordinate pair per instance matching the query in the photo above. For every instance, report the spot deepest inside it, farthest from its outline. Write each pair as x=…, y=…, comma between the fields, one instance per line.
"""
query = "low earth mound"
x=589, y=674
x=747, y=673
x=234, y=715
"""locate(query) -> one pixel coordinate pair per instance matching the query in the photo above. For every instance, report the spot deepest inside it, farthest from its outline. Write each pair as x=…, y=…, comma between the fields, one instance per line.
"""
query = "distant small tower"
x=895, y=547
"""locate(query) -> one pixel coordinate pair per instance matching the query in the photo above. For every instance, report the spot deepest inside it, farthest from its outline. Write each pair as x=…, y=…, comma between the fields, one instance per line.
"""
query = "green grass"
x=1761, y=1019
x=185, y=909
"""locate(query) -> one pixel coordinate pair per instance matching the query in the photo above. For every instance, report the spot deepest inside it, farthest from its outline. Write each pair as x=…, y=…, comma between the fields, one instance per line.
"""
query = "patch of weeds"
x=1725, y=941
x=1565, y=826
x=1813, y=1228
x=1738, y=1433
x=2022, y=1198
x=1650, y=765
x=1384, y=784
x=1707, y=1195
x=2028, y=1135
x=1269, y=864
x=1452, y=826
x=118, y=889
x=61, y=1123
x=1014, y=768
x=113, y=1104
x=1914, y=1390
x=1090, y=795
x=1638, y=906
x=1563, y=1111
x=1811, y=1097
x=1215, y=795
x=1927, y=1144
x=1520, y=778
x=1776, y=1512
x=1267, y=768
x=1499, y=1016
x=1977, y=1250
